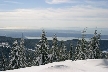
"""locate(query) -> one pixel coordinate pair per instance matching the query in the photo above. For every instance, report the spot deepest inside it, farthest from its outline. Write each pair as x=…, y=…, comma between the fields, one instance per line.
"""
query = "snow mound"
x=90, y=65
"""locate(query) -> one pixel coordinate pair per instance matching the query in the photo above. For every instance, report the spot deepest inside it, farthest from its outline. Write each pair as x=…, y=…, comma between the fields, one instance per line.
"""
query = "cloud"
x=83, y=16
x=95, y=3
x=13, y=2
x=71, y=13
x=99, y=3
x=57, y=1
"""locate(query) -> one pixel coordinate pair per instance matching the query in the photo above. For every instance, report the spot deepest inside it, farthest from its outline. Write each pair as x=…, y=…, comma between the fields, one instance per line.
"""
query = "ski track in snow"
x=90, y=65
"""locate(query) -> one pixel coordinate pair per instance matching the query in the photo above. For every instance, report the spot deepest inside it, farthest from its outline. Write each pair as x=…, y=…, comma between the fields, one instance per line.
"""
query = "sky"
x=36, y=14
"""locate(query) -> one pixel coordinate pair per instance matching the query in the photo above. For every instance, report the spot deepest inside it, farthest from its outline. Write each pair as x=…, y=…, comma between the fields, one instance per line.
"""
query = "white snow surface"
x=90, y=65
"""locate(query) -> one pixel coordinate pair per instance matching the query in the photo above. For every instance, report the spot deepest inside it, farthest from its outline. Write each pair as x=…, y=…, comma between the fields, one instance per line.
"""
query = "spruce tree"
x=22, y=51
x=29, y=58
x=63, y=51
x=90, y=51
x=81, y=49
x=14, y=56
x=55, y=48
x=83, y=46
x=43, y=47
x=3, y=62
x=95, y=52
x=71, y=52
x=77, y=50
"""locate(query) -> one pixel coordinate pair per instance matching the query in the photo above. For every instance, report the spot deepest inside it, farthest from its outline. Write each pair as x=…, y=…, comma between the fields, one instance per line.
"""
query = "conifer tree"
x=22, y=56
x=83, y=46
x=55, y=48
x=29, y=58
x=95, y=52
x=17, y=55
x=43, y=47
x=78, y=51
x=90, y=51
x=71, y=52
x=63, y=51
x=3, y=63
x=14, y=56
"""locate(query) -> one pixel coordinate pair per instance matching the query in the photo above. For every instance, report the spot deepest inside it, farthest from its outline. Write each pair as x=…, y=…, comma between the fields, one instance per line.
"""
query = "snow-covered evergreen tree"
x=3, y=64
x=42, y=48
x=63, y=52
x=81, y=50
x=17, y=55
x=90, y=51
x=71, y=52
x=29, y=58
x=54, y=49
x=22, y=56
x=94, y=50
x=38, y=55
x=77, y=51
x=14, y=56
x=84, y=46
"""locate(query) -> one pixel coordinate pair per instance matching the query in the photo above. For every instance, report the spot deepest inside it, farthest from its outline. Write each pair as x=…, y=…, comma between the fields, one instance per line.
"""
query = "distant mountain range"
x=16, y=33
x=31, y=43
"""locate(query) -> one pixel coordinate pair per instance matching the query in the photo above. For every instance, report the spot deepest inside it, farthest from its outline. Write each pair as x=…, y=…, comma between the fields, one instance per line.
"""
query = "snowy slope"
x=91, y=65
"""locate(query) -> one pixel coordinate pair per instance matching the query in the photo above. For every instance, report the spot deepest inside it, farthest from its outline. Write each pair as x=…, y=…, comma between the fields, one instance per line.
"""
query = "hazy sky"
x=53, y=13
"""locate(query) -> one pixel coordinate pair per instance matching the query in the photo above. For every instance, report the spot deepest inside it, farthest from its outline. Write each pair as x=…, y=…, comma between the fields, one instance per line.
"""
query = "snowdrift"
x=90, y=65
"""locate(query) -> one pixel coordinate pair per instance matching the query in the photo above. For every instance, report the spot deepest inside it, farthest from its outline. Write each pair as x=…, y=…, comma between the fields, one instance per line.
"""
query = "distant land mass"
x=31, y=43
x=32, y=33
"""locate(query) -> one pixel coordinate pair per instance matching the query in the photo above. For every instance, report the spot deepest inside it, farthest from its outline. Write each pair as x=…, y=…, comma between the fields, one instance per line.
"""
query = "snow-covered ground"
x=90, y=65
